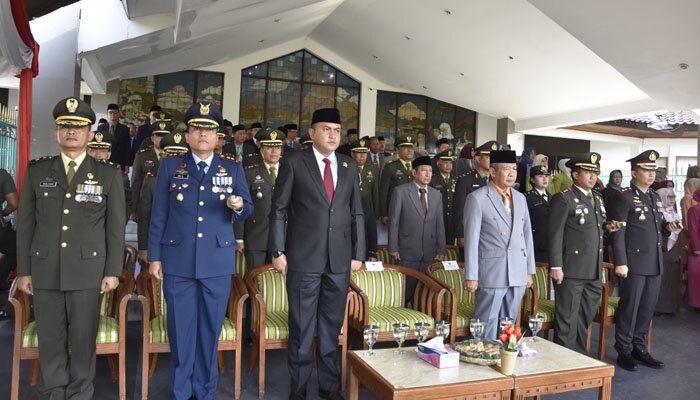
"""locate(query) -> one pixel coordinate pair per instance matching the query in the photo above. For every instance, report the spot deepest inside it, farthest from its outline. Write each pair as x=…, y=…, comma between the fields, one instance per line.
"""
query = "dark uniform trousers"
x=640, y=294
x=65, y=376
x=576, y=306
x=309, y=292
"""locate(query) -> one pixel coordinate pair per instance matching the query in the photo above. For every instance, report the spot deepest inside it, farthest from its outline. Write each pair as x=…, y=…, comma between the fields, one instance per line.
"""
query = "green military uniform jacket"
x=393, y=175
x=254, y=230
x=558, y=182
x=71, y=236
x=575, y=234
x=143, y=184
x=369, y=184
x=447, y=188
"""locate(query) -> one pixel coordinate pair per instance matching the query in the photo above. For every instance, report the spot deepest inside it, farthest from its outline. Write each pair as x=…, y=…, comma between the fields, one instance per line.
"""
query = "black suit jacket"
x=312, y=231
x=121, y=148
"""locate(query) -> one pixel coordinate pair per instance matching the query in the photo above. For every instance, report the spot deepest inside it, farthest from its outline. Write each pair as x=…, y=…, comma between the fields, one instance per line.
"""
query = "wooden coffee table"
x=557, y=369
x=392, y=376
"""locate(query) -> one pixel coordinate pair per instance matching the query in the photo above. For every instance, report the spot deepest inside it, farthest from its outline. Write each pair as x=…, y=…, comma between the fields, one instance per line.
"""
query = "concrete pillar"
x=59, y=73
x=486, y=127
x=503, y=128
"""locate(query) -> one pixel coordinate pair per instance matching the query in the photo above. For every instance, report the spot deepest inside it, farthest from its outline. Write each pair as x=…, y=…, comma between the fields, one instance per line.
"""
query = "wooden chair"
x=270, y=320
x=111, y=331
x=606, y=313
x=458, y=312
x=451, y=254
x=155, y=329
x=538, y=300
x=381, y=298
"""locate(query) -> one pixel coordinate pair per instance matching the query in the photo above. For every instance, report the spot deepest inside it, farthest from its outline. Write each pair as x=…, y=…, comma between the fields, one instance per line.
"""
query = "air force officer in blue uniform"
x=191, y=246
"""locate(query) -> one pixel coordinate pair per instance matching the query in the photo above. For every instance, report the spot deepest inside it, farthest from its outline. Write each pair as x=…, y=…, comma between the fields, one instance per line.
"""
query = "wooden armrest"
x=360, y=310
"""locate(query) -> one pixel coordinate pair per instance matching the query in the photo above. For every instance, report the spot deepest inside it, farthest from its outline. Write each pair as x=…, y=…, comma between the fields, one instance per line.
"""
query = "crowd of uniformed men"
x=222, y=173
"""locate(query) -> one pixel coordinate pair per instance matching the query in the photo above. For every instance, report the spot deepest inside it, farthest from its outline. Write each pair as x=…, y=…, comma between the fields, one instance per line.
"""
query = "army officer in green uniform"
x=575, y=238
x=369, y=174
x=70, y=247
x=445, y=183
x=143, y=184
x=396, y=173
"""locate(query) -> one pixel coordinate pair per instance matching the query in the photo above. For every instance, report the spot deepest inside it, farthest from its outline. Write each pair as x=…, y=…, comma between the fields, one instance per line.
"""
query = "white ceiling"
x=570, y=64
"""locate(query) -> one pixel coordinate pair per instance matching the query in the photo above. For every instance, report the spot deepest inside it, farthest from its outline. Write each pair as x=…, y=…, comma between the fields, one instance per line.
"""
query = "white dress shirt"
x=208, y=161
x=322, y=165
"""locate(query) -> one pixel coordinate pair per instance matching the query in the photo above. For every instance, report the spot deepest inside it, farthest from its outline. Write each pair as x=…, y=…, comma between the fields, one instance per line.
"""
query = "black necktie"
x=202, y=165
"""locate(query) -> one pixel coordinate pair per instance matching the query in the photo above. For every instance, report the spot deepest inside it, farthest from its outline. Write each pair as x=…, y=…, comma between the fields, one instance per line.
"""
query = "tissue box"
x=451, y=359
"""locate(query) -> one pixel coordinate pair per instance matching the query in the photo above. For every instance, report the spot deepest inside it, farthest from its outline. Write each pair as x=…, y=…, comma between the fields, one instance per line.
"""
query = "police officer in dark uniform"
x=538, y=206
x=638, y=261
x=470, y=182
x=70, y=247
x=369, y=174
x=191, y=247
x=445, y=183
x=251, y=235
x=575, y=235
x=396, y=173
x=144, y=175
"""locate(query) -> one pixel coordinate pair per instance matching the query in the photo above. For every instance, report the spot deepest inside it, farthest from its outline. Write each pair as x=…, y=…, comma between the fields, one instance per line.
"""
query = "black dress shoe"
x=330, y=394
x=626, y=361
x=646, y=359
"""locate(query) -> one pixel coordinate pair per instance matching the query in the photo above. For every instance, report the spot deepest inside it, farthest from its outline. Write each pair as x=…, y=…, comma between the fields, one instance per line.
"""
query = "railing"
x=8, y=140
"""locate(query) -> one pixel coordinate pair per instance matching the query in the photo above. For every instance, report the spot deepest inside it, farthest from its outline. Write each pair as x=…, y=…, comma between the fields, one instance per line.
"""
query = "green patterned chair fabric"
x=273, y=287
x=159, y=330
x=241, y=267
x=383, y=256
x=465, y=300
x=107, y=332
x=383, y=288
x=451, y=253
x=545, y=306
x=613, y=303
x=386, y=317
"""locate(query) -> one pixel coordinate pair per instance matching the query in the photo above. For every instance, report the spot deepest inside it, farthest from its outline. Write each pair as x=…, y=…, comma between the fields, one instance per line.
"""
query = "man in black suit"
x=144, y=131
x=121, y=149
x=376, y=152
x=239, y=147
x=316, y=238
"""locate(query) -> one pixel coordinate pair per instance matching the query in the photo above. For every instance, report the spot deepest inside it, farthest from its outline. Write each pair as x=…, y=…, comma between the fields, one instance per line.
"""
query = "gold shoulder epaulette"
x=107, y=162
x=146, y=149
x=228, y=157
x=625, y=190
x=567, y=190
x=45, y=158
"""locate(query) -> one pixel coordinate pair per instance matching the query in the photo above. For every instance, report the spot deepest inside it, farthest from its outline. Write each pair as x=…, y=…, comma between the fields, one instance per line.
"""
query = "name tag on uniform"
x=149, y=163
x=450, y=265
x=48, y=183
x=374, y=266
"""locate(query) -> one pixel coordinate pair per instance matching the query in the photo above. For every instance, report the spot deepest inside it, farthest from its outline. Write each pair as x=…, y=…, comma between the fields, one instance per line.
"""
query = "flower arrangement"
x=510, y=338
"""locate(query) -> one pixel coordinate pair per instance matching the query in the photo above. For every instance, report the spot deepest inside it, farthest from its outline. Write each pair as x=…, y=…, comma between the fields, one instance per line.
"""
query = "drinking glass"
x=421, y=331
x=442, y=329
x=535, y=322
x=476, y=327
x=400, y=331
x=370, y=333
x=503, y=322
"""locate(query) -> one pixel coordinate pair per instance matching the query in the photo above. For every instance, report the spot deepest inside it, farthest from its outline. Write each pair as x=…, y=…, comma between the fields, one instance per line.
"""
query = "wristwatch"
x=276, y=254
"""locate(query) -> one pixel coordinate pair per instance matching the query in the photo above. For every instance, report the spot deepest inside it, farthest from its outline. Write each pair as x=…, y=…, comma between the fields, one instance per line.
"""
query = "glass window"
x=386, y=117
x=317, y=70
x=210, y=87
x=282, y=103
x=252, y=100
x=344, y=80
x=314, y=82
x=348, y=103
x=287, y=67
x=259, y=70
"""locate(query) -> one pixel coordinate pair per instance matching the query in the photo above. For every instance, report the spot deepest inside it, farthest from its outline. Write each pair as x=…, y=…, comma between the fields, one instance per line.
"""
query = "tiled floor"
x=676, y=341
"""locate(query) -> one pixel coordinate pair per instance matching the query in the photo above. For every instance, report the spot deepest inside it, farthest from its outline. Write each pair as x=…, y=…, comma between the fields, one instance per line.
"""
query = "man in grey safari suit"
x=499, y=255
x=416, y=225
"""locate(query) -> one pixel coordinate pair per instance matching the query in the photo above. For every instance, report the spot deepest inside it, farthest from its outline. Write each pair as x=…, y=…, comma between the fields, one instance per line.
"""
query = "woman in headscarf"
x=614, y=185
x=526, y=162
x=688, y=201
x=693, y=221
x=560, y=179
x=465, y=162
x=669, y=295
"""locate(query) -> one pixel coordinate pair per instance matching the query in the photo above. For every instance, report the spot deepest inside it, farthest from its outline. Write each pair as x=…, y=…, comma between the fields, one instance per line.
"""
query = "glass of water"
x=400, y=331
x=476, y=327
x=442, y=329
x=535, y=322
x=370, y=334
x=421, y=331
x=503, y=322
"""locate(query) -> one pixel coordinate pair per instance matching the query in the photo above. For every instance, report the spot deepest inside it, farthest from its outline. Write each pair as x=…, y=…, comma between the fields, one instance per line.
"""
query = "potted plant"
x=510, y=338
